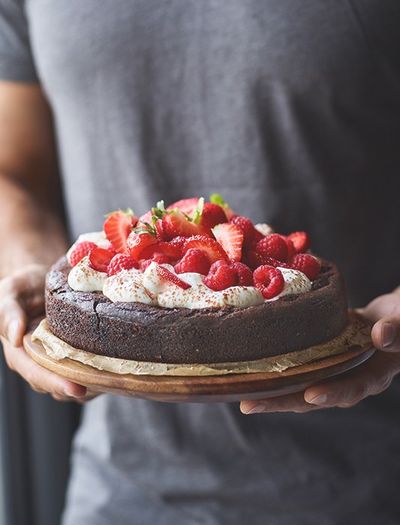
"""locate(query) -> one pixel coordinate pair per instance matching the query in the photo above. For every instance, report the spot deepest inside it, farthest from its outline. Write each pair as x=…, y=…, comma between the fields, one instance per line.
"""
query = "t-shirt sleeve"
x=16, y=60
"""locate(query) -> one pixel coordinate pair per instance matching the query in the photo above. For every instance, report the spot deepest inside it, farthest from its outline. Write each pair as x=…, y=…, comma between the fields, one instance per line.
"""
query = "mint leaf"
x=216, y=198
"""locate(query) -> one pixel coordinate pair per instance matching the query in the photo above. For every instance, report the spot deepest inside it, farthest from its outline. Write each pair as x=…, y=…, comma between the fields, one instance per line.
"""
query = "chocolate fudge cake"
x=193, y=283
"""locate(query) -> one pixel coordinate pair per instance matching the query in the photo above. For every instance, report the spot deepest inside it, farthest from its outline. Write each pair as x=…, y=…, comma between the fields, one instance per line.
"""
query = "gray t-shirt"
x=291, y=110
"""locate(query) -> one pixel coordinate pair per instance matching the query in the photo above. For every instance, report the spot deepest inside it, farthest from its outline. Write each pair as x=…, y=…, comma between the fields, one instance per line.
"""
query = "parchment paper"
x=356, y=334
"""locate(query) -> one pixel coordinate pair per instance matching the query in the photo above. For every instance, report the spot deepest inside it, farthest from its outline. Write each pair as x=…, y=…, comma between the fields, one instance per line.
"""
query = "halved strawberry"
x=177, y=224
x=186, y=206
x=117, y=227
x=146, y=218
x=172, y=251
x=210, y=247
x=300, y=240
x=230, y=237
x=136, y=243
x=100, y=258
x=165, y=274
x=212, y=215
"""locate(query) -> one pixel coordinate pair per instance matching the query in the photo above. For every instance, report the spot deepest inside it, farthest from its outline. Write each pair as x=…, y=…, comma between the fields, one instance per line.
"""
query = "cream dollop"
x=296, y=282
x=83, y=278
x=127, y=287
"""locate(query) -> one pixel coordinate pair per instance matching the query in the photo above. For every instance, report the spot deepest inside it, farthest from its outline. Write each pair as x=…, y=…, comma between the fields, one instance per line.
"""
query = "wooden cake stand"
x=222, y=388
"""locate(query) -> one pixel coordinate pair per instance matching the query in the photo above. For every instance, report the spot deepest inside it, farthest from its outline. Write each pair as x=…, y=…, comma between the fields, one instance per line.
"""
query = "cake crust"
x=91, y=322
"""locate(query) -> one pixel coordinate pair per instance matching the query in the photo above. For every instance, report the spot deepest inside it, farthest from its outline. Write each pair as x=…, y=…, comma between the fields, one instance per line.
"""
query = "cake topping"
x=192, y=237
x=83, y=278
x=79, y=251
x=121, y=262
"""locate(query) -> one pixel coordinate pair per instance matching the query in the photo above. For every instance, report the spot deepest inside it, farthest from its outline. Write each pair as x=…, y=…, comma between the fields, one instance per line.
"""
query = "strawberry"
x=178, y=243
x=230, y=237
x=186, y=206
x=145, y=219
x=247, y=227
x=269, y=281
x=177, y=224
x=300, y=240
x=121, y=262
x=210, y=247
x=273, y=245
x=221, y=276
x=165, y=274
x=254, y=260
x=100, y=258
x=194, y=260
x=216, y=198
x=306, y=263
x=168, y=249
x=161, y=258
x=160, y=230
x=79, y=251
x=244, y=274
x=212, y=215
x=138, y=241
x=117, y=227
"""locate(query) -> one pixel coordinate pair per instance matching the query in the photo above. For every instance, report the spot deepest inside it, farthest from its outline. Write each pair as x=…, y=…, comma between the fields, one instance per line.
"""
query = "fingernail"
x=13, y=330
x=388, y=334
x=71, y=393
x=255, y=410
x=319, y=400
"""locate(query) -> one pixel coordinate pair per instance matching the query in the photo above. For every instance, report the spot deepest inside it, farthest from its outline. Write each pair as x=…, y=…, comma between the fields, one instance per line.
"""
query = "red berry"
x=291, y=248
x=230, y=237
x=117, y=227
x=247, y=227
x=79, y=251
x=193, y=261
x=160, y=230
x=137, y=242
x=212, y=215
x=300, y=240
x=100, y=258
x=176, y=223
x=210, y=247
x=252, y=259
x=169, y=250
x=144, y=263
x=165, y=274
x=187, y=206
x=273, y=245
x=244, y=274
x=306, y=263
x=269, y=281
x=161, y=258
x=178, y=243
x=121, y=262
x=221, y=276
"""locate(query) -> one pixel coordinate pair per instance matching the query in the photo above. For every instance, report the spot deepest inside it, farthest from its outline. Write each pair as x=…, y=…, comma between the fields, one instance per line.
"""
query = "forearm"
x=31, y=230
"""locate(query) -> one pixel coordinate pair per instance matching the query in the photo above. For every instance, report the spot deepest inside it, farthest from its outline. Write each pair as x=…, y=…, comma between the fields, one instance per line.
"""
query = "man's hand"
x=371, y=378
x=21, y=299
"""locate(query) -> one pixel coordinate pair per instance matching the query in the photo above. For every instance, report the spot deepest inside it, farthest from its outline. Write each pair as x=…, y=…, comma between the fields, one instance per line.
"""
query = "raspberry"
x=221, y=276
x=269, y=281
x=194, y=260
x=300, y=240
x=247, y=227
x=273, y=245
x=306, y=263
x=121, y=262
x=80, y=250
x=291, y=248
x=244, y=274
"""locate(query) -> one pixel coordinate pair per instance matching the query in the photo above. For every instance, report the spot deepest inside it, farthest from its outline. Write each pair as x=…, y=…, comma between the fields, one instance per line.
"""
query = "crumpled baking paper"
x=356, y=334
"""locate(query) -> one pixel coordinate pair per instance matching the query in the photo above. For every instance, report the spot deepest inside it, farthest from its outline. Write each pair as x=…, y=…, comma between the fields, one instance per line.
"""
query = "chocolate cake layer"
x=89, y=321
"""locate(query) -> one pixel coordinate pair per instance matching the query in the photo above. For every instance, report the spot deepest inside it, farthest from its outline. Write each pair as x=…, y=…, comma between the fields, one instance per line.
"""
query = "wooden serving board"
x=223, y=388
